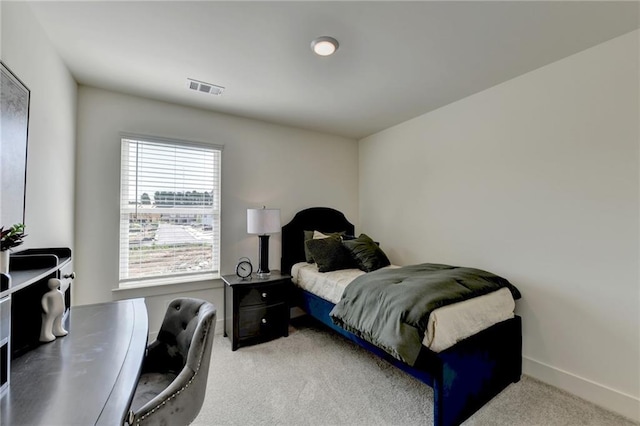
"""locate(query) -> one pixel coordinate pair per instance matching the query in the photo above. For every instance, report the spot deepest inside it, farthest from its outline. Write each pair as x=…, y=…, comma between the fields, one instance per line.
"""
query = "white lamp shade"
x=263, y=221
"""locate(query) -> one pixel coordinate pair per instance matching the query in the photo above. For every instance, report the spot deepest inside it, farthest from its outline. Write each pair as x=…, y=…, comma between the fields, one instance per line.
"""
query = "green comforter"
x=390, y=308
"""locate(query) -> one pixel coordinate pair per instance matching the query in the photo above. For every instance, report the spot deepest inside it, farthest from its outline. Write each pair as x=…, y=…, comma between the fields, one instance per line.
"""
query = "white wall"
x=27, y=51
x=535, y=179
x=262, y=164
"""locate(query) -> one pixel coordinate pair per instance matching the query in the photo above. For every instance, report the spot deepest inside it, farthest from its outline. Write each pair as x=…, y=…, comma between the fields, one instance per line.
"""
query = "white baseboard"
x=610, y=399
x=219, y=326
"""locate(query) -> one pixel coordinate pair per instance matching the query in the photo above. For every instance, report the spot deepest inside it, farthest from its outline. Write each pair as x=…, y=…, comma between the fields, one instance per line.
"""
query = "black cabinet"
x=21, y=292
x=256, y=309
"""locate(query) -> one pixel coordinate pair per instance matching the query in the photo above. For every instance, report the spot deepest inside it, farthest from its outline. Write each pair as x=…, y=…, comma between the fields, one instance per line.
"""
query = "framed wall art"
x=14, y=133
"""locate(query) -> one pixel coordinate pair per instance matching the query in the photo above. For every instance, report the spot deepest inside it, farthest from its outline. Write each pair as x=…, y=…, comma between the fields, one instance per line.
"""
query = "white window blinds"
x=169, y=209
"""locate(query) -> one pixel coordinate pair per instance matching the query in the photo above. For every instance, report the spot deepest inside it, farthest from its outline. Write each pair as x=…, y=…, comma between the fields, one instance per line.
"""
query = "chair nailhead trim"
x=175, y=393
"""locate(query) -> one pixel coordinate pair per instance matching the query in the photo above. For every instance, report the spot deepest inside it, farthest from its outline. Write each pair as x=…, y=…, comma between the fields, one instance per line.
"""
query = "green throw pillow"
x=308, y=235
x=367, y=254
x=329, y=254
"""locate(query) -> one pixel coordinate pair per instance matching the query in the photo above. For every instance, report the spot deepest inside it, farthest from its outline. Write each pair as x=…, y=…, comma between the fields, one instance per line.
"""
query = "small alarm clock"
x=244, y=268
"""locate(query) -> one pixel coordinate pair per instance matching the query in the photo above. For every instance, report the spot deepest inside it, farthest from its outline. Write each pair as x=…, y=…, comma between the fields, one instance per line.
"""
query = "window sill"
x=173, y=285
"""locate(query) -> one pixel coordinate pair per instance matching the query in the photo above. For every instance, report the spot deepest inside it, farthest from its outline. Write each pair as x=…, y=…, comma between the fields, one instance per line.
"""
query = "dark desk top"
x=87, y=377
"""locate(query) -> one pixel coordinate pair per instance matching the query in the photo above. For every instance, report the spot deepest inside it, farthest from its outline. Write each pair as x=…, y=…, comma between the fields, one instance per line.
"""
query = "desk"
x=87, y=377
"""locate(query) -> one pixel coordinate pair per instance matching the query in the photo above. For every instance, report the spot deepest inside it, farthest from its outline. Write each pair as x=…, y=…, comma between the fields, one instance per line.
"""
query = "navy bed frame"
x=464, y=377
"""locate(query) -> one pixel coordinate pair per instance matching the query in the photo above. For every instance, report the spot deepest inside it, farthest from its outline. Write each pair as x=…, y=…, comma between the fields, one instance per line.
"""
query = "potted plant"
x=9, y=238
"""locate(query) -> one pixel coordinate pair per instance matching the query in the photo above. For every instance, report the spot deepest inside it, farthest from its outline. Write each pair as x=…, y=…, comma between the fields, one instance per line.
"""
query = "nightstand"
x=256, y=309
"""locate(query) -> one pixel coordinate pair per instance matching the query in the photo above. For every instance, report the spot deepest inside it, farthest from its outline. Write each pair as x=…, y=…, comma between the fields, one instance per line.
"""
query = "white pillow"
x=317, y=235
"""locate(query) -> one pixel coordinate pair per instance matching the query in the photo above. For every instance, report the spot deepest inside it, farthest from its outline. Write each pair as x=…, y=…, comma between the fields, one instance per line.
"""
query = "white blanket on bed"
x=447, y=325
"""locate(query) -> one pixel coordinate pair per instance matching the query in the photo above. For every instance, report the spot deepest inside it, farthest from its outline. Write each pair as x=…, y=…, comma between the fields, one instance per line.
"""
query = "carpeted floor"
x=314, y=377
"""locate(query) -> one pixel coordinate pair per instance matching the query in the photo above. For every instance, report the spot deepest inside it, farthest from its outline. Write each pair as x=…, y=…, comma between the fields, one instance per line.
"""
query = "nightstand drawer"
x=256, y=310
x=262, y=321
x=263, y=295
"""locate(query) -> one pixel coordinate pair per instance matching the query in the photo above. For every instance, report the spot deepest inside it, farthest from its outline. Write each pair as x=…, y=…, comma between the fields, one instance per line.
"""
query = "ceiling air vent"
x=201, y=86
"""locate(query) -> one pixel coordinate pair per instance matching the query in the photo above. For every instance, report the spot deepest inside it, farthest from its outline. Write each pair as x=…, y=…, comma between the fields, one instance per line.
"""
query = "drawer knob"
x=264, y=320
x=264, y=295
x=71, y=275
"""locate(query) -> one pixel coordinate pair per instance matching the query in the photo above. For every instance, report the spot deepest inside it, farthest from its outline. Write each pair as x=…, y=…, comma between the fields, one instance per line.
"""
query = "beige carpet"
x=314, y=377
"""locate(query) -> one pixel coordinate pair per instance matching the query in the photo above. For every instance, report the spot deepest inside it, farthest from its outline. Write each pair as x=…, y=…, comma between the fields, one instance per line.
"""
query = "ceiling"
x=396, y=61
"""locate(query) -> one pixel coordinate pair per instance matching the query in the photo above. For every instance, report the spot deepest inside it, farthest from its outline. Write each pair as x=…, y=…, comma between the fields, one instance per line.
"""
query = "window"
x=169, y=209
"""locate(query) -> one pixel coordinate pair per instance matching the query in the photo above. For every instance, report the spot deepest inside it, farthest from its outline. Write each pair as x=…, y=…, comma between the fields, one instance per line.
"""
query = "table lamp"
x=263, y=222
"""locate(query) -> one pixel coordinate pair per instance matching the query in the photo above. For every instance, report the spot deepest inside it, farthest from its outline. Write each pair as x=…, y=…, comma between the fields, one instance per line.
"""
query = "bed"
x=464, y=376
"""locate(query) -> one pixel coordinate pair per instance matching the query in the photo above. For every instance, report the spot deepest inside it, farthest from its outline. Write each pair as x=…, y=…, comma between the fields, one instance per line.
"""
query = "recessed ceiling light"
x=324, y=46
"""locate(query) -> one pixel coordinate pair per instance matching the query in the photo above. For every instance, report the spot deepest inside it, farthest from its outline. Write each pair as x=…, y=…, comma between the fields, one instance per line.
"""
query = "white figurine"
x=53, y=307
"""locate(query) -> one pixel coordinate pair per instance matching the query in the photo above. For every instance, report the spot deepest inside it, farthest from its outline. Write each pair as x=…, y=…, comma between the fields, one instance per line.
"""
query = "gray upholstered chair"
x=174, y=373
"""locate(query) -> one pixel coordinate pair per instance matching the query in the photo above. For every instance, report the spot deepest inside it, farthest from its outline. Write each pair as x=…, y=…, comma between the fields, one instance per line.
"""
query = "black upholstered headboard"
x=323, y=219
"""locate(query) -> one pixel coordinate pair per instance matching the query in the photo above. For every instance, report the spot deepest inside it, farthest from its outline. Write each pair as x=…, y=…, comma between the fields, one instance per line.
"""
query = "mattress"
x=447, y=325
